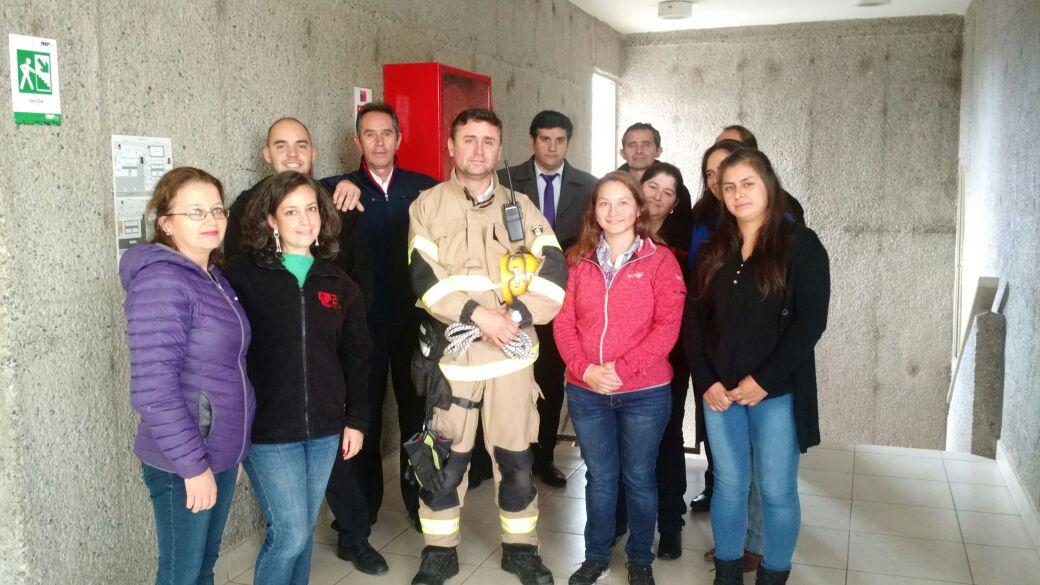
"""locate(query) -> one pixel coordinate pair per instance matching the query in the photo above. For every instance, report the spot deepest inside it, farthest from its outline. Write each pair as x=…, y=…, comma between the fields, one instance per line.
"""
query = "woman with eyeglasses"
x=188, y=341
x=308, y=362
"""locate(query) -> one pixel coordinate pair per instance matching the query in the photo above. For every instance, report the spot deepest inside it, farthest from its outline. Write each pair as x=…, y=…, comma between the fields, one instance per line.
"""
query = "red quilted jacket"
x=634, y=323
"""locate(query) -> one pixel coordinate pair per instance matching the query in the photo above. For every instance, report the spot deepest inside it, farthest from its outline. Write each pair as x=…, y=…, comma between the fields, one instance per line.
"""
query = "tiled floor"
x=870, y=516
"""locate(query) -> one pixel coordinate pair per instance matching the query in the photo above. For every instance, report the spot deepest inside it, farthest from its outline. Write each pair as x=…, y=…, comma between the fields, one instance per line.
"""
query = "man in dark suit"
x=561, y=192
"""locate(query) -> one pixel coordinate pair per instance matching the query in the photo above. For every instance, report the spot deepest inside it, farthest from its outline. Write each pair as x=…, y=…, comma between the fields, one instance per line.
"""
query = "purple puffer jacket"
x=188, y=342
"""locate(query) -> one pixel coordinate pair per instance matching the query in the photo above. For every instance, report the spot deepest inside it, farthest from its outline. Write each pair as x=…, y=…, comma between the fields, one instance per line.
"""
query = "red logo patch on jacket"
x=328, y=299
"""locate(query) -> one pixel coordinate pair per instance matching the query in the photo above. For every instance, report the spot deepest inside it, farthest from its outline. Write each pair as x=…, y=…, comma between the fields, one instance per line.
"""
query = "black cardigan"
x=308, y=359
x=729, y=333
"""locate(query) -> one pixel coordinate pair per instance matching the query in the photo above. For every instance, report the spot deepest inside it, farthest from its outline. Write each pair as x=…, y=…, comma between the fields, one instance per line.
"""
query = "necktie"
x=549, y=198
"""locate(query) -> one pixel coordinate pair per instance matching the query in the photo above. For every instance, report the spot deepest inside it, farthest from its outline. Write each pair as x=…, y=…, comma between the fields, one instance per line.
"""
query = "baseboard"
x=1026, y=508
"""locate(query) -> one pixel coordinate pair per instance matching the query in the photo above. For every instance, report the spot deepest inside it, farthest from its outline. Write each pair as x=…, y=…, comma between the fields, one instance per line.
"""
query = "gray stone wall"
x=860, y=120
x=999, y=150
x=211, y=75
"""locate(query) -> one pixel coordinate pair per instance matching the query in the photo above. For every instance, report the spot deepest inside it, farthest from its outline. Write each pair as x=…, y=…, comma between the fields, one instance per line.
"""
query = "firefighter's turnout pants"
x=456, y=248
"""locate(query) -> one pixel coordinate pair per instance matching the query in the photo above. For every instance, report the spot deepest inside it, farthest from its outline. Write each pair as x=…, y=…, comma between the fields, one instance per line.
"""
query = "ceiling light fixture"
x=675, y=9
x=868, y=3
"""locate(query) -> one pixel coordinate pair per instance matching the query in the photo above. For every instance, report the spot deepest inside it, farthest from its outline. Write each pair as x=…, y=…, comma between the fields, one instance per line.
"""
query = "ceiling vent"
x=675, y=9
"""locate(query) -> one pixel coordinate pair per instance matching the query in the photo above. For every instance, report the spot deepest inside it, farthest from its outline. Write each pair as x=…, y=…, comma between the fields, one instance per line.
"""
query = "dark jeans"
x=355, y=491
x=619, y=436
x=549, y=374
x=290, y=480
x=188, y=543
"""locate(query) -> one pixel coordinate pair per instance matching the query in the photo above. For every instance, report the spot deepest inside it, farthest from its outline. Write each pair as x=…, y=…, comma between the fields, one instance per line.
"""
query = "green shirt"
x=298, y=265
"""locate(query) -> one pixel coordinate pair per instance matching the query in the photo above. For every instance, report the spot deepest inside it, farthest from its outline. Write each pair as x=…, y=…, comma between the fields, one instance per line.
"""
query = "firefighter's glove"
x=428, y=453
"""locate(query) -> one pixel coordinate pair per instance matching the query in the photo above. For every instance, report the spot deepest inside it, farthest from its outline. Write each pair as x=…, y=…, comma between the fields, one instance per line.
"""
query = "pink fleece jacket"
x=634, y=323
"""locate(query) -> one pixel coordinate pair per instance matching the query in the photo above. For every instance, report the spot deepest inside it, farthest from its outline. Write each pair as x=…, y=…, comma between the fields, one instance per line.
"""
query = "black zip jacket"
x=353, y=255
x=308, y=359
x=384, y=230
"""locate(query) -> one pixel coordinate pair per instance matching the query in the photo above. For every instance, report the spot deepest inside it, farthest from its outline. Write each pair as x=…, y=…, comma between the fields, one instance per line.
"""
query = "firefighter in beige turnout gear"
x=458, y=240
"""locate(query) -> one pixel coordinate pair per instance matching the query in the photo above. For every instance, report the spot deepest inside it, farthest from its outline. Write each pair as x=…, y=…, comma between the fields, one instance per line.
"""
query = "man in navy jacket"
x=355, y=491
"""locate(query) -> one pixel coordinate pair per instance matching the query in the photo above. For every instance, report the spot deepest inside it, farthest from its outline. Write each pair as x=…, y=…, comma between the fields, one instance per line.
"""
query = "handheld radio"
x=511, y=215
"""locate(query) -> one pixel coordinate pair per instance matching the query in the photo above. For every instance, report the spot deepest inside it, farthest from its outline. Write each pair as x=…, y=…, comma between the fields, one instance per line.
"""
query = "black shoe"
x=589, y=573
x=365, y=558
x=729, y=572
x=701, y=503
x=334, y=526
x=768, y=577
x=475, y=479
x=438, y=564
x=639, y=574
x=619, y=531
x=416, y=523
x=523, y=561
x=550, y=475
x=670, y=545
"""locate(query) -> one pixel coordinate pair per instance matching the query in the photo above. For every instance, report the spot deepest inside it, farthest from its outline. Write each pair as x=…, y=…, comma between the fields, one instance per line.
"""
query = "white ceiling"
x=634, y=16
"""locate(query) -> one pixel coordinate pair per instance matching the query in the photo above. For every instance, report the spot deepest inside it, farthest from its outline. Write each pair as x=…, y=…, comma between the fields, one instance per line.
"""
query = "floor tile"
x=909, y=451
x=910, y=521
x=562, y=514
x=833, y=484
x=575, y=485
x=976, y=472
x=478, y=542
x=824, y=512
x=392, y=496
x=995, y=499
x=390, y=525
x=900, y=466
x=402, y=569
x=696, y=535
x=1003, y=566
x=827, y=460
x=567, y=457
x=822, y=547
x=810, y=575
x=857, y=578
x=243, y=555
x=898, y=490
x=895, y=555
x=689, y=569
x=994, y=530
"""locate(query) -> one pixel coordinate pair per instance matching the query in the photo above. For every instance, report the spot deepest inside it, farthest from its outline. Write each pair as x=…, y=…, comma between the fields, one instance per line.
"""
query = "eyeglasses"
x=200, y=214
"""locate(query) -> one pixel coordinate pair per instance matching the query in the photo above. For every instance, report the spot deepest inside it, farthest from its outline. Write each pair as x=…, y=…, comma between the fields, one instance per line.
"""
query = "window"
x=604, y=125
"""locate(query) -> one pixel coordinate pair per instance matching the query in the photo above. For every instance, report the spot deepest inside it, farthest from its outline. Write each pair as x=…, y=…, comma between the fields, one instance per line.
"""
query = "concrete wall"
x=999, y=150
x=211, y=75
x=860, y=120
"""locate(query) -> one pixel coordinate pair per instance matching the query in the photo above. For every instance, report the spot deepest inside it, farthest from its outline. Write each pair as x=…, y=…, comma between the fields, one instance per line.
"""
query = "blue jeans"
x=188, y=543
x=766, y=433
x=619, y=436
x=290, y=480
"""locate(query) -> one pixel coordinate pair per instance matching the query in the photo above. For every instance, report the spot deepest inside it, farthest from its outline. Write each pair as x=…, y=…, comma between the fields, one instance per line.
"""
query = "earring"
x=277, y=241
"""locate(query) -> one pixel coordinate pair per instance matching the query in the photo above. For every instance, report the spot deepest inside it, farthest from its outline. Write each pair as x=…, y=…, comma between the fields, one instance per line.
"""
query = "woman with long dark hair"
x=188, y=340
x=620, y=319
x=758, y=306
x=307, y=361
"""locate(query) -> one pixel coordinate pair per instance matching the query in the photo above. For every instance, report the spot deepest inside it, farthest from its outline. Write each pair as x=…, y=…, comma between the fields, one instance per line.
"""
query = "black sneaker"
x=589, y=573
x=365, y=558
x=523, y=561
x=438, y=564
x=669, y=547
x=640, y=574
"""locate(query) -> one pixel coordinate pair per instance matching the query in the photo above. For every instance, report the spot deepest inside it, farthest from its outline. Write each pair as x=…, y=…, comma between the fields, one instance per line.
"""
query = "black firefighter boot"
x=768, y=577
x=438, y=564
x=729, y=572
x=523, y=561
